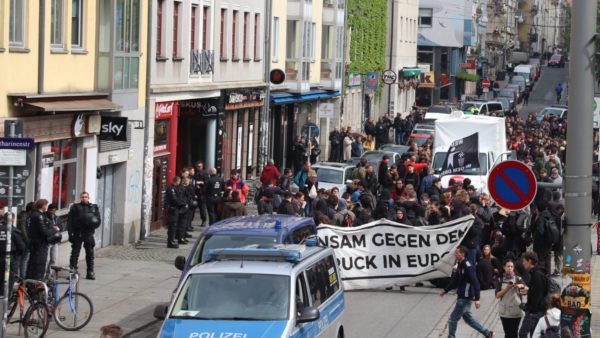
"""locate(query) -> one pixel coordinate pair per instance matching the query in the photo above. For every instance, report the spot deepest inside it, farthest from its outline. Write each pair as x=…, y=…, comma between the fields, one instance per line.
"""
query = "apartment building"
x=70, y=70
x=307, y=42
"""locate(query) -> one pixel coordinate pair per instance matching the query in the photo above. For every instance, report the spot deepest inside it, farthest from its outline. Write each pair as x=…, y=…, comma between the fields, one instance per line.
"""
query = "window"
x=425, y=17
x=222, y=43
x=313, y=40
x=275, y=39
x=301, y=294
x=323, y=281
x=127, y=44
x=234, y=51
x=16, y=29
x=205, y=12
x=194, y=31
x=56, y=23
x=65, y=172
x=176, y=6
x=76, y=24
x=327, y=42
x=159, y=27
x=256, y=36
x=301, y=234
x=245, y=37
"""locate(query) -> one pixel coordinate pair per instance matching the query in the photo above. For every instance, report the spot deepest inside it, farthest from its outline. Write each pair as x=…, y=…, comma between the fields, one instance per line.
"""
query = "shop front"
x=238, y=133
x=196, y=133
x=165, y=142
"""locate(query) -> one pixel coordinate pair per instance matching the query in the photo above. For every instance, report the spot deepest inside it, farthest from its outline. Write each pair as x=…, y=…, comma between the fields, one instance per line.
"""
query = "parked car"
x=436, y=112
x=482, y=107
x=506, y=105
x=519, y=58
x=508, y=94
x=527, y=72
x=515, y=87
x=557, y=60
x=420, y=138
x=559, y=111
x=375, y=156
x=259, y=291
x=520, y=81
x=333, y=174
x=422, y=128
x=396, y=148
x=240, y=231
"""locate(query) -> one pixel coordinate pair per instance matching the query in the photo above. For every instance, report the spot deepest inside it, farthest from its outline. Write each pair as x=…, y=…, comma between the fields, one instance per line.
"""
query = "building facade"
x=307, y=43
x=77, y=84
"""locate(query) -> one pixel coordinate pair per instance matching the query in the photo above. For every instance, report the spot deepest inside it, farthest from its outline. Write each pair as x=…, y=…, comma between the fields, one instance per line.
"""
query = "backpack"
x=553, y=286
x=551, y=233
x=550, y=331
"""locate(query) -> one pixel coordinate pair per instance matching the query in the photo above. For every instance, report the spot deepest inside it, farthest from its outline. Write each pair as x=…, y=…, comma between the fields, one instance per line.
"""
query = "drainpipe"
x=391, y=56
x=41, y=45
x=147, y=165
x=263, y=153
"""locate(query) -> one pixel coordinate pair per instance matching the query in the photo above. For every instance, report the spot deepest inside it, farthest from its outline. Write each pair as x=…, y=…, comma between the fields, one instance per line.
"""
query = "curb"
x=141, y=328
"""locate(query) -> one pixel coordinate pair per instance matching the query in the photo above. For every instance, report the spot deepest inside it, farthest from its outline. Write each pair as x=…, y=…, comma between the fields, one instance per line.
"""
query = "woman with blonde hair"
x=369, y=143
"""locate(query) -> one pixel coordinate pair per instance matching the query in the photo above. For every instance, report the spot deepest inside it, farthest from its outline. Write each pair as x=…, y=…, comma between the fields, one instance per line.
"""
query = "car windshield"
x=468, y=106
x=327, y=175
x=506, y=93
x=551, y=111
x=438, y=109
x=372, y=157
x=209, y=242
x=233, y=296
x=439, y=158
x=555, y=58
x=395, y=148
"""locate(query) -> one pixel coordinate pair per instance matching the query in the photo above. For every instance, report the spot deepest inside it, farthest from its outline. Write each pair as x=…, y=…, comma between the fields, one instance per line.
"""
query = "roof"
x=260, y=225
x=74, y=105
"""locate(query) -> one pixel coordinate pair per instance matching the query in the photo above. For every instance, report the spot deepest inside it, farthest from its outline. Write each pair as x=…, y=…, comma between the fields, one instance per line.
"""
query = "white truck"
x=492, y=145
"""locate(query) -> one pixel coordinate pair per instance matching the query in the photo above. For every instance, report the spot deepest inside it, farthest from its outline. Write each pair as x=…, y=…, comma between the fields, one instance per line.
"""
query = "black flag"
x=462, y=154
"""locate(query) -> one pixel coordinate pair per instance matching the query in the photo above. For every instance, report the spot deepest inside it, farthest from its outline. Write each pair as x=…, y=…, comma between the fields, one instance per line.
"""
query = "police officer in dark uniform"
x=84, y=218
x=201, y=176
x=214, y=193
x=187, y=192
x=174, y=203
x=40, y=231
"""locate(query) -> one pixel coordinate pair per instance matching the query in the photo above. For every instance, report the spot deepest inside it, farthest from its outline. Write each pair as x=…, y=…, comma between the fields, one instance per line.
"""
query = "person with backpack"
x=545, y=234
x=536, y=289
x=549, y=325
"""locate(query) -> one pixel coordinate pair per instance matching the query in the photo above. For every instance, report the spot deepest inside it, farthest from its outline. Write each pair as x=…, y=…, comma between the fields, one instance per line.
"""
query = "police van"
x=273, y=290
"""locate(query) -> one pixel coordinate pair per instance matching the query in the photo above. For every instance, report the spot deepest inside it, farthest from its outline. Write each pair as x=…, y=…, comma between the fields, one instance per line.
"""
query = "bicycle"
x=73, y=310
x=35, y=319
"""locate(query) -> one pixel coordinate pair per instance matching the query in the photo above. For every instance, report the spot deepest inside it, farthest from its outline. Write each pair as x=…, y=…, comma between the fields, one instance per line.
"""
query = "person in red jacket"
x=418, y=166
x=237, y=183
x=270, y=174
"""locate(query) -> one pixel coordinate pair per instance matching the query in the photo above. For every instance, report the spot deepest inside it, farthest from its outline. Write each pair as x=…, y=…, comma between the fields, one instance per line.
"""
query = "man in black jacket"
x=335, y=143
x=214, y=187
x=200, y=177
x=467, y=289
x=536, y=291
x=286, y=207
x=84, y=218
x=174, y=204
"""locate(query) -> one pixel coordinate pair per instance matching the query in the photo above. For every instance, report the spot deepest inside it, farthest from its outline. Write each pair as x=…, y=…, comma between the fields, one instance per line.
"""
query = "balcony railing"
x=202, y=62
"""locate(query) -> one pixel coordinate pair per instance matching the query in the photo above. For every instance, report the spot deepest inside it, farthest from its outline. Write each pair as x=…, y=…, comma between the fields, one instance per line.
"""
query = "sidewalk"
x=130, y=282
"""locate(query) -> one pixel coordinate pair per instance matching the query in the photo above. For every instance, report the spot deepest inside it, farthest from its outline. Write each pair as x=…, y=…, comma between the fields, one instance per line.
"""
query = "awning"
x=73, y=105
x=410, y=72
x=286, y=97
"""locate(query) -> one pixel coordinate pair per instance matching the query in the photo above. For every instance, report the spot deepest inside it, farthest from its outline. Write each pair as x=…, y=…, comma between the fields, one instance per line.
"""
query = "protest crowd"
x=503, y=248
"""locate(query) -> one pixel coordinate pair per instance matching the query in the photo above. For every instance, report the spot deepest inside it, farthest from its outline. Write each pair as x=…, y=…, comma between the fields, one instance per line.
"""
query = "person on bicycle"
x=17, y=248
x=40, y=232
x=84, y=218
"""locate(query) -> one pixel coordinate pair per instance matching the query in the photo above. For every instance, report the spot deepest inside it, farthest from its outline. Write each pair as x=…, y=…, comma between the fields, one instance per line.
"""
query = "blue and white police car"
x=272, y=290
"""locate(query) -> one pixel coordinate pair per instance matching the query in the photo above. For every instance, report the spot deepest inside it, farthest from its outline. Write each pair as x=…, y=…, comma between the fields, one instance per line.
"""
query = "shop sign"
x=113, y=128
x=13, y=157
x=78, y=128
x=164, y=110
x=372, y=80
x=48, y=160
x=427, y=80
x=424, y=68
x=160, y=148
x=326, y=110
x=244, y=97
x=389, y=77
x=354, y=80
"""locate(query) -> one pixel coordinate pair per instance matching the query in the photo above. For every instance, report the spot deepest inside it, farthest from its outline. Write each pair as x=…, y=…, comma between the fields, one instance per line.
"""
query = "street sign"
x=16, y=143
x=389, y=77
x=486, y=83
x=512, y=185
x=13, y=157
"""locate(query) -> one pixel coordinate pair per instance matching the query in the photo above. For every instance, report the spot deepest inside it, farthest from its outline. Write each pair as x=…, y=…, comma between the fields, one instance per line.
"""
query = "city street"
x=543, y=94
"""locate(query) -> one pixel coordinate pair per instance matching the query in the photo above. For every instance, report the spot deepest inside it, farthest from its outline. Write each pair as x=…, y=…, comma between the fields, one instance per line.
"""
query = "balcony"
x=331, y=77
x=297, y=75
x=202, y=62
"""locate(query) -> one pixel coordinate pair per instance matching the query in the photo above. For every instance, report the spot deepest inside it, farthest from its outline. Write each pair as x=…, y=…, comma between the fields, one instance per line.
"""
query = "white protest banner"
x=384, y=253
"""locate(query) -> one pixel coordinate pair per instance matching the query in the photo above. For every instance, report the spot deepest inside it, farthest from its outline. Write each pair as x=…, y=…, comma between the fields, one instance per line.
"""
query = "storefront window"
x=64, y=179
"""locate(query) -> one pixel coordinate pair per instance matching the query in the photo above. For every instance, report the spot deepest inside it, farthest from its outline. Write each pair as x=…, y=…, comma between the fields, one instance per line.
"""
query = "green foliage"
x=464, y=75
x=368, y=21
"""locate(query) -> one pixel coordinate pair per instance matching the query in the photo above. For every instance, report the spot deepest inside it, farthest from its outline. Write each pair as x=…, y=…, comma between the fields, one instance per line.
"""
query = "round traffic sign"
x=512, y=185
x=389, y=77
x=277, y=76
x=486, y=83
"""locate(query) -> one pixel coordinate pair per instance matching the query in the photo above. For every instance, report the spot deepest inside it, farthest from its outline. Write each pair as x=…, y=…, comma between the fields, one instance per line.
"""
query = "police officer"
x=174, y=203
x=201, y=177
x=214, y=192
x=186, y=191
x=84, y=218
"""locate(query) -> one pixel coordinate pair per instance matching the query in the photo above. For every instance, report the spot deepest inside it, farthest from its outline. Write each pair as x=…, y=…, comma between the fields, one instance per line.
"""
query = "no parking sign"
x=512, y=185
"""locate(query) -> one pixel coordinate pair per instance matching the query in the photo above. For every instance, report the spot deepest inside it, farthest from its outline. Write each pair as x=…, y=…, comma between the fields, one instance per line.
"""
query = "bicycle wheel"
x=36, y=320
x=73, y=314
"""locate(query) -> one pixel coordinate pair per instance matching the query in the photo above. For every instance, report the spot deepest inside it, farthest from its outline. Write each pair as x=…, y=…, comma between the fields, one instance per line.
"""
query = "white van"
x=526, y=71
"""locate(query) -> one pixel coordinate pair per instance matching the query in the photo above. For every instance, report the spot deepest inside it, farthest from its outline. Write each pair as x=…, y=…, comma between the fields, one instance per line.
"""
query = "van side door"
x=326, y=295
